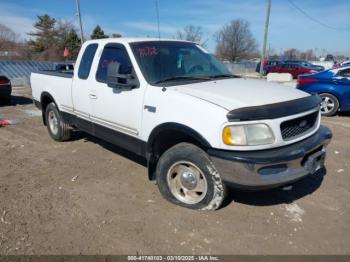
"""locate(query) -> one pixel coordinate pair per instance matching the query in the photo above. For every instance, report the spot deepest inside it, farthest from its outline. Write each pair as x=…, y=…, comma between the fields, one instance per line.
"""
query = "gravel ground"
x=88, y=197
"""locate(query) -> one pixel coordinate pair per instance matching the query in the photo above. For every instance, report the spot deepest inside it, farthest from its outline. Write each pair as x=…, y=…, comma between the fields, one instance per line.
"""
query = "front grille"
x=298, y=126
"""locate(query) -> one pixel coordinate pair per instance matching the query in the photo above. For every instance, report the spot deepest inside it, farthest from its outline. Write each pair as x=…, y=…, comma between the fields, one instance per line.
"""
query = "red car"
x=294, y=69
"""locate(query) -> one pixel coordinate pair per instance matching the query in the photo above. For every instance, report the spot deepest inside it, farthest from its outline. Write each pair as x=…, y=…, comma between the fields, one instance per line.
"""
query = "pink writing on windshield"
x=147, y=51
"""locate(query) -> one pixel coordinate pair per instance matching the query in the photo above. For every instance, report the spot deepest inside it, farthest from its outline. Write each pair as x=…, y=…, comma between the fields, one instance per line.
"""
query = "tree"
x=98, y=33
x=291, y=54
x=45, y=36
x=308, y=55
x=7, y=38
x=116, y=35
x=192, y=33
x=52, y=37
x=68, y=38
x=72, y=43
x=235, y=41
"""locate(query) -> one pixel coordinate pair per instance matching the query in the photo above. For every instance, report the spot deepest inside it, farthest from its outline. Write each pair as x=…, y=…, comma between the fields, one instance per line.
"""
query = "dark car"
x=64, y=67
x=294, y=69
x=267, y=64
x=5, y=89
x=333, y=86
x=306, y=64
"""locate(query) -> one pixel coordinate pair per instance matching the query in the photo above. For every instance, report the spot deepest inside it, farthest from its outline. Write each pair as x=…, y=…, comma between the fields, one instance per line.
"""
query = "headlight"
x=248, y=135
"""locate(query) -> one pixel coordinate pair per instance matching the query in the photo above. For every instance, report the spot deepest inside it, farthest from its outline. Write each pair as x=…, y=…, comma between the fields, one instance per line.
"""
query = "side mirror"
x=117, y=80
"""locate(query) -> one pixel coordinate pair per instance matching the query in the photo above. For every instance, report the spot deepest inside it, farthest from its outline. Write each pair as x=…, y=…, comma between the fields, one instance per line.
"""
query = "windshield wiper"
x=223, y=76
x=174, y=78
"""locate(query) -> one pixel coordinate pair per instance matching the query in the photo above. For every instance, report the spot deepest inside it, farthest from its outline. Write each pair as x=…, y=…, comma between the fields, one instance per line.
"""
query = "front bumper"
x=262, y=169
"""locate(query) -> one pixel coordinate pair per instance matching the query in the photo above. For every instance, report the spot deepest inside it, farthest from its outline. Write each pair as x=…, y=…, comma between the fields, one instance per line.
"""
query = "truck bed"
x=57, y=83
x=67, y=74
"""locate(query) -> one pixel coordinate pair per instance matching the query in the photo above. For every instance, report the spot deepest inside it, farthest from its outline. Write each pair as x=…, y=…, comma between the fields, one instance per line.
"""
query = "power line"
x=314, y=19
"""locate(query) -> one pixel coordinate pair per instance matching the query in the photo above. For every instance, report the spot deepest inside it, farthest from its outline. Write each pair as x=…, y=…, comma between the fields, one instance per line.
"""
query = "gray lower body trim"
x=120, y=139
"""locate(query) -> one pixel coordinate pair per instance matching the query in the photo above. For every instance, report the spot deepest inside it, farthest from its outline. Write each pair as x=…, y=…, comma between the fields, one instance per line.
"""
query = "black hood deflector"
x=276, y=110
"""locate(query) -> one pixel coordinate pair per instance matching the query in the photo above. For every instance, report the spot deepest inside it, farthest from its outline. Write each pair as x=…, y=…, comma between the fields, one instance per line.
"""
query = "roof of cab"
x=131, y=40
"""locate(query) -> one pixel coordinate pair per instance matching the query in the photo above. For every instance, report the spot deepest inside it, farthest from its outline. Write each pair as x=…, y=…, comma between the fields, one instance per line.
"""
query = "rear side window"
x=113, y=53
x=86, y=61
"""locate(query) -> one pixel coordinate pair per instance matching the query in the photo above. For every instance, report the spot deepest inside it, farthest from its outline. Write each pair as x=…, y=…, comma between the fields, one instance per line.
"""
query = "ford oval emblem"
x=303, y=124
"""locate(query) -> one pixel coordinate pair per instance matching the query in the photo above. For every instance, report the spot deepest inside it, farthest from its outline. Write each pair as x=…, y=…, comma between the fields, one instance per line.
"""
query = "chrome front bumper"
x=257, y=170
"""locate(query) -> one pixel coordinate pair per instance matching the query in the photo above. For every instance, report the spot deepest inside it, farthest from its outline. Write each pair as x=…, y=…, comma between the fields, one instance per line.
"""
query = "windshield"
x=174, y=62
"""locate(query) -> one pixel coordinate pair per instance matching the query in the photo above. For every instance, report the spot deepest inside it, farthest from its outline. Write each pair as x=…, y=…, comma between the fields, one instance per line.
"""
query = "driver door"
x=118, y=109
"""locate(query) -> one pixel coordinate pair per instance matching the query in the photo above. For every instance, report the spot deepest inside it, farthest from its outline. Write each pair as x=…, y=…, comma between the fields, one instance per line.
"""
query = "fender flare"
x=46, y=94
x=176, y=127
x=170, y=126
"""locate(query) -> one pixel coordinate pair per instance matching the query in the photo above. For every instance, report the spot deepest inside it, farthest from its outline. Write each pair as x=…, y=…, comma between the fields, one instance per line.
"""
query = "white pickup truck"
x=199, y=127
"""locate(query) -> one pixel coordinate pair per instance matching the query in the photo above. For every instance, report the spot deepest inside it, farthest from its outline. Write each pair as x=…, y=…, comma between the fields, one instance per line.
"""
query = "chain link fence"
x=242, y=68
x=19, y=71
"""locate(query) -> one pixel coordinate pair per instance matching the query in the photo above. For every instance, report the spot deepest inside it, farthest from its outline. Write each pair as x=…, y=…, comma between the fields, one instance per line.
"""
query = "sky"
x=289, y=28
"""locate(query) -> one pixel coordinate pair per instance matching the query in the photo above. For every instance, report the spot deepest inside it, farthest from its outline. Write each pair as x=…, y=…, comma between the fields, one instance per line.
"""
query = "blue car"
x=332, y=85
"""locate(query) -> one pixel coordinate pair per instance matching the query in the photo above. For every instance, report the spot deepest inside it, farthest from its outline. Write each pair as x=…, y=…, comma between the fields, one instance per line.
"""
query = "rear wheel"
x=58, y=129
x=187, y=177
x=329, y=104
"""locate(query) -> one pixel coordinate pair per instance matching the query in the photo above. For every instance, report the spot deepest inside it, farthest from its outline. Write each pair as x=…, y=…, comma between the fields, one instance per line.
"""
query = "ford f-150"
x=199, y=127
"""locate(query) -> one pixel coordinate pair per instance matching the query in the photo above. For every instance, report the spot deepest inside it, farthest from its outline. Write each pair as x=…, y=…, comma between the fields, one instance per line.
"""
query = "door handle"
x=93, y=96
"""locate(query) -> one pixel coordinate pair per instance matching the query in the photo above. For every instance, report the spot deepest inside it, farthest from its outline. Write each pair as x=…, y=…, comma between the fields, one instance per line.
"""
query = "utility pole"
x=263, y=53
x=157, y=11
x=80, y=24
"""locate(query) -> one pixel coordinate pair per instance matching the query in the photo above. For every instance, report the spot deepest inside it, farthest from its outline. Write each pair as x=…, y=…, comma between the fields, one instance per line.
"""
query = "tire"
x=193, y=164
x=8, y=100
x=329, y=105
x=58, y=129
x=5, y=100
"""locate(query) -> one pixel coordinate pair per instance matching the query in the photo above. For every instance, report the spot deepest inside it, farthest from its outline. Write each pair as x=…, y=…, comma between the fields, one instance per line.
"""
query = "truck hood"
x=236, y=93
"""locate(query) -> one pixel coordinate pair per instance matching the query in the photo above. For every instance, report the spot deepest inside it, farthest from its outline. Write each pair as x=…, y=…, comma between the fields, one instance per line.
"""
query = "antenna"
x=157, y=12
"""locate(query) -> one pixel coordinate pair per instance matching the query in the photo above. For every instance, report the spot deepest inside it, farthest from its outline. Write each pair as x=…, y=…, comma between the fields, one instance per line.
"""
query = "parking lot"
x=86, y=196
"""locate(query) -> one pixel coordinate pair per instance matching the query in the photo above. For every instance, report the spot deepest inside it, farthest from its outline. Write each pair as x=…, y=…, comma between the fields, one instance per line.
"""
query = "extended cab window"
x=86, y=61
x=113, y=53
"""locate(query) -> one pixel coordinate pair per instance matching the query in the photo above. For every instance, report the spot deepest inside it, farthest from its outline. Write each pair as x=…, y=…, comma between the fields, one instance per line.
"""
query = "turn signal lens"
x=248, y=135
x=234, y=135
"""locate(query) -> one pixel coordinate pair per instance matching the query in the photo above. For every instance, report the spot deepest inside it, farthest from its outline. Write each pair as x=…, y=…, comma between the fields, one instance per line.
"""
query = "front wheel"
x=187, y=177
x=329, y=104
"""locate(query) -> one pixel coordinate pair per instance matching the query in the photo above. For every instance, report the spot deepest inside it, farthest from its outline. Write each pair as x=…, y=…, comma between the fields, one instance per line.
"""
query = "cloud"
x=20, y=25
x=13, y=17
